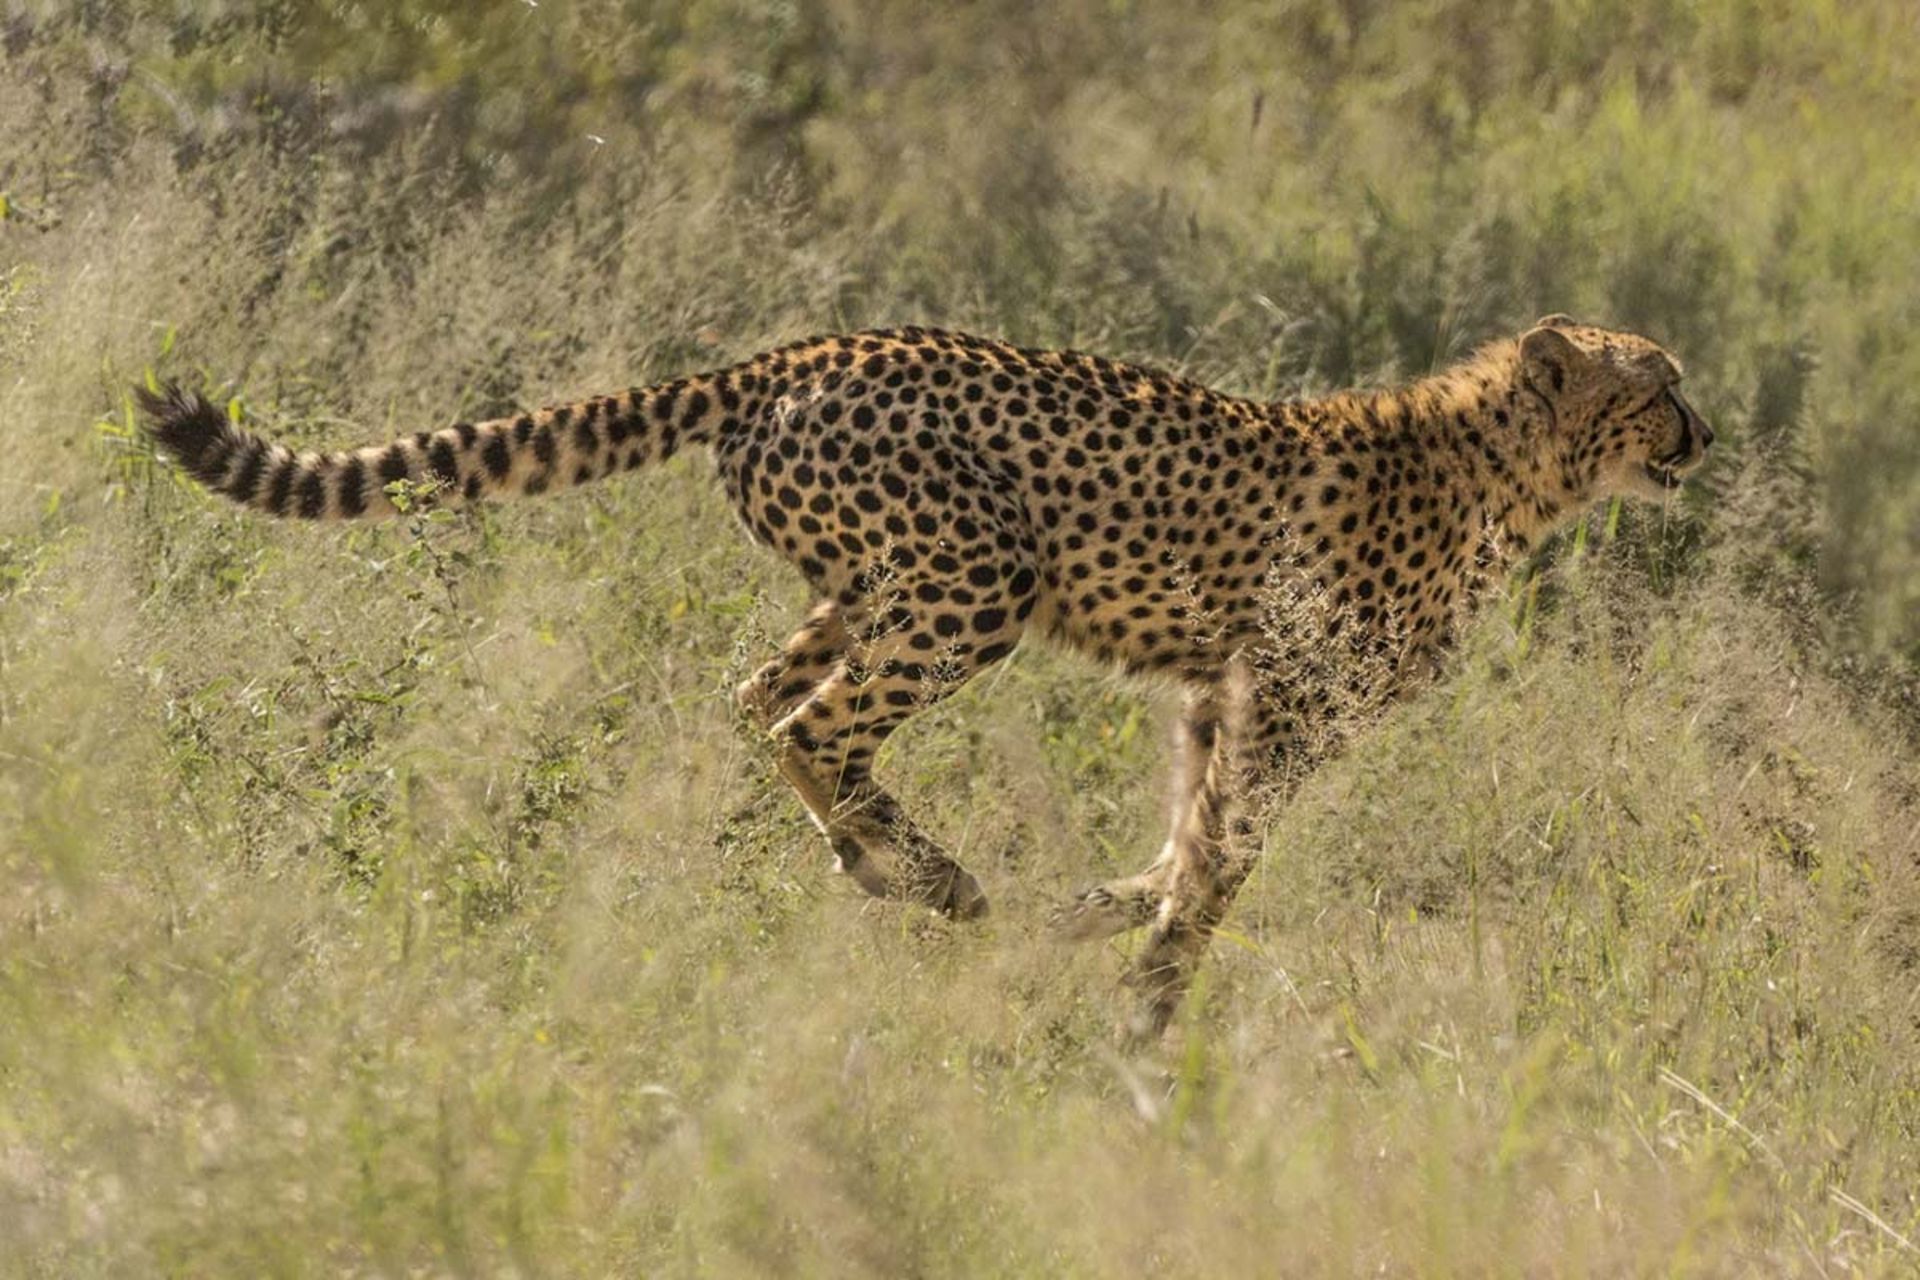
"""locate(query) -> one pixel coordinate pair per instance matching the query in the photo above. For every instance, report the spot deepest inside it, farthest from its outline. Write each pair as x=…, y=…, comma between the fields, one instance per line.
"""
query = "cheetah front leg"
x=1133, y=901
x=1210, y=858
x=1263, y=750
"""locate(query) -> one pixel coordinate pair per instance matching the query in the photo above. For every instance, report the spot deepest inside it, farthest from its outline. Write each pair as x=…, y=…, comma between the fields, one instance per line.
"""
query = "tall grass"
x=404, y=899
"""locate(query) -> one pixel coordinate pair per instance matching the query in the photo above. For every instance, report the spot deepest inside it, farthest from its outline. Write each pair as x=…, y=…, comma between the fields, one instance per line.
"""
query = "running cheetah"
x=945, y=495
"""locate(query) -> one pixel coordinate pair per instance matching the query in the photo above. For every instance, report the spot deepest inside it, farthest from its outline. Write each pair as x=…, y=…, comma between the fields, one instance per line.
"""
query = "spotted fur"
x=946, y=495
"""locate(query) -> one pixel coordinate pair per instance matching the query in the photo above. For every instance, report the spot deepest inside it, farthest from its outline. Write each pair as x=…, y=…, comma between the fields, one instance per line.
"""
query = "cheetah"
x=945, y=495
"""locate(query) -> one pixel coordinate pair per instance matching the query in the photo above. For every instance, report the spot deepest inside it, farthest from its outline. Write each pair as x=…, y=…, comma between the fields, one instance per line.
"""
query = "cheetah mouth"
x=1671, y=473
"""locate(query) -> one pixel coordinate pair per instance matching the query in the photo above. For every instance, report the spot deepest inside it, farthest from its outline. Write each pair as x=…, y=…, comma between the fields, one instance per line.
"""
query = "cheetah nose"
x=1692, y=423
x=1701, y=432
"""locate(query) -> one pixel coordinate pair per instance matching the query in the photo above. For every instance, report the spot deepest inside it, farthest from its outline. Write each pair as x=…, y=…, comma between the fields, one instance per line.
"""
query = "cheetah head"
x=1619, y=422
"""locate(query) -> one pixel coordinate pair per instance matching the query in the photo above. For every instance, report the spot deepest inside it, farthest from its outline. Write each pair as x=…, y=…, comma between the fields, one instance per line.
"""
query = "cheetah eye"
x=1657, y=398
x=1647, y=405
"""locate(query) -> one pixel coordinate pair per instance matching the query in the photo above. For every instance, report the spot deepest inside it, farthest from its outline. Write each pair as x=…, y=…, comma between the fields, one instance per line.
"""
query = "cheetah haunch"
x=945, y=495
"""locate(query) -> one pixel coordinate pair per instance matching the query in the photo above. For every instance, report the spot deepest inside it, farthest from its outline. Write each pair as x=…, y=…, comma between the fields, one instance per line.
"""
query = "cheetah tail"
x=527, y=454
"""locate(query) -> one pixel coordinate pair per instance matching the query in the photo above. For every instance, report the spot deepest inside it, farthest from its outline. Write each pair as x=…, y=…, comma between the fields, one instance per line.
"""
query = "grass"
x=406, y=900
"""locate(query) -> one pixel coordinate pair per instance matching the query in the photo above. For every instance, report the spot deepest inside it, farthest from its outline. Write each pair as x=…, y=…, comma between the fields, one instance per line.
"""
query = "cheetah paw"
x=1104, y=910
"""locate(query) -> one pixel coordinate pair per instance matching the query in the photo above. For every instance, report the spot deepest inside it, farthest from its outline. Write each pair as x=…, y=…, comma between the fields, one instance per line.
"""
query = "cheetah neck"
x=1499, y=449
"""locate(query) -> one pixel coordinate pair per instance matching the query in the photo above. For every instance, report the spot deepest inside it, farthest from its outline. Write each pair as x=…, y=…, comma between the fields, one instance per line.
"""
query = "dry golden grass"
x=405, y=900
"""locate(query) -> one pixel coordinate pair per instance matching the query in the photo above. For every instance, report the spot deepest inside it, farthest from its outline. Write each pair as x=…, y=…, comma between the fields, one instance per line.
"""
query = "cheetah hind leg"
x=860, y=821
x=826, y=746
x=808, y=657
x=851, y=854
x=770, y=694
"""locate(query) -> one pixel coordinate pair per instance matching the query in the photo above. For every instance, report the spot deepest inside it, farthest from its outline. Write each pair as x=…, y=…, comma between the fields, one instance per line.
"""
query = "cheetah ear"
x=1549, y=360
x=1558, y=320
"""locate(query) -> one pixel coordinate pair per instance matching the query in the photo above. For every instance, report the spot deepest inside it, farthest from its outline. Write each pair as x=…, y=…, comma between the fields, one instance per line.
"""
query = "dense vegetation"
x=404, y=900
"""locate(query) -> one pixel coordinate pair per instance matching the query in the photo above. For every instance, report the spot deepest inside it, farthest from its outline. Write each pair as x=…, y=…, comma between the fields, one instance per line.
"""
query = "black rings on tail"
x=524, y=455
